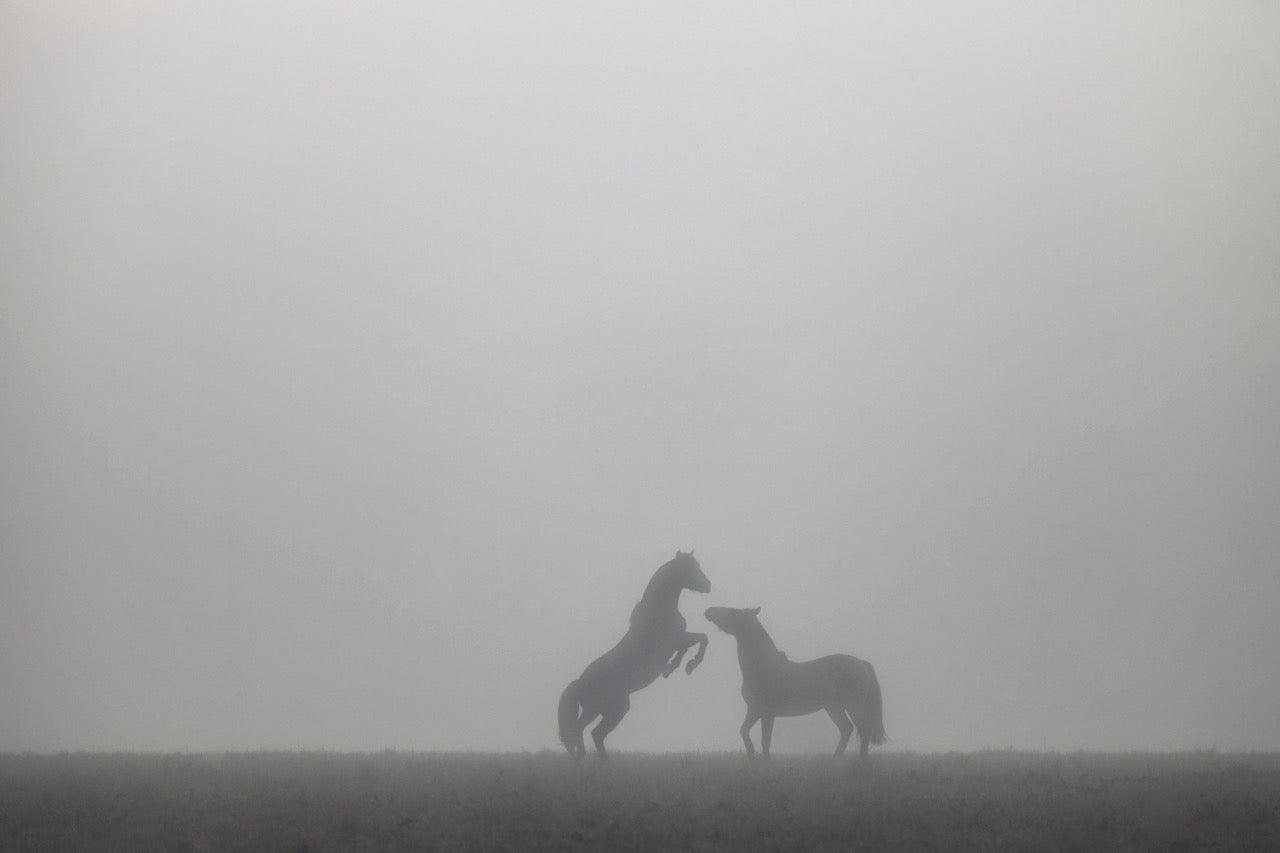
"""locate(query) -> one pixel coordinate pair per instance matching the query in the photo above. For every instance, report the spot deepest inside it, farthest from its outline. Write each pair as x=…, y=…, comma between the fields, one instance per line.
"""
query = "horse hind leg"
x=845, y=725
x=577, y=749
x=865, y=730
x=608, y=722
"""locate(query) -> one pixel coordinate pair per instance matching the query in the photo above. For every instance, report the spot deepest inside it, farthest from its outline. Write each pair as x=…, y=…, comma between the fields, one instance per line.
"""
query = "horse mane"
x=659, y=580
x=764, y=636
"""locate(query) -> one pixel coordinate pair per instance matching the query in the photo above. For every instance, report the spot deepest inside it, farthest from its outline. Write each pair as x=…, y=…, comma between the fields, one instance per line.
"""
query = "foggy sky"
x=359, y=363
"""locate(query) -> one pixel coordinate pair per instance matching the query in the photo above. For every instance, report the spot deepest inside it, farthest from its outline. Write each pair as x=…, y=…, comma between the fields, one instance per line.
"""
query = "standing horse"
x=654, y=645
x=842, y=685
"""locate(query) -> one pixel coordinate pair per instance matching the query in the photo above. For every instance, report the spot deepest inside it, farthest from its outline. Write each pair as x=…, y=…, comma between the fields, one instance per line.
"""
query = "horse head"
x=732, y=620
x=686, y=569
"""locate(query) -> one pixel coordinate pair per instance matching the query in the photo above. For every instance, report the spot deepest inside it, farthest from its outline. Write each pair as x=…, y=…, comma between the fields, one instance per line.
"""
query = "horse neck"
x=755, y=646
x=663, y=592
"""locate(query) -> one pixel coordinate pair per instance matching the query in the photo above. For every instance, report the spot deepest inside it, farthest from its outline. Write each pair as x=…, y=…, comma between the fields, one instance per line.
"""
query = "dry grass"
x=320, y=801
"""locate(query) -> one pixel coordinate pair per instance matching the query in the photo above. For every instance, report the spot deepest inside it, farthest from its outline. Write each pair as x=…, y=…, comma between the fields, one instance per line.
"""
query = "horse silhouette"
x=654, y=645
x=842, y=685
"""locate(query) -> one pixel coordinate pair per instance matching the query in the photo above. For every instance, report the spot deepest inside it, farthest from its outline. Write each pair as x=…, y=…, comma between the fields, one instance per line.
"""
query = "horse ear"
x=690, y=552
x=755, y=611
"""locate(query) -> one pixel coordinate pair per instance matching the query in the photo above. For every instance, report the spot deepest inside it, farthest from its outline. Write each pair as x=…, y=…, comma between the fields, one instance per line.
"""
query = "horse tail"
x=570, y=734
x=875, y=708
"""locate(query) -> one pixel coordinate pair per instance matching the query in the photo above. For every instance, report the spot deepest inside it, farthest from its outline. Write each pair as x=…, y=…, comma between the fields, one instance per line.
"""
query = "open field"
x=541, y=801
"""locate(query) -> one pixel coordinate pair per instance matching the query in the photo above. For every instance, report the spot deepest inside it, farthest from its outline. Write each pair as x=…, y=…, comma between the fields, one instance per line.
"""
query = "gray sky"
x=361, y=362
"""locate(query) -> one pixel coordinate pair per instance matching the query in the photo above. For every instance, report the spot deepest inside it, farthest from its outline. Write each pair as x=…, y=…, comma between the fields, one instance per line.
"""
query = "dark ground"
x=542, y=801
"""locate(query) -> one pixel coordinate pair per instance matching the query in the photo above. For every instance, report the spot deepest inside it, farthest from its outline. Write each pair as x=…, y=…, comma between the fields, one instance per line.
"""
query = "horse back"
x=639, y=657
x=793, y=688
x=848, y=669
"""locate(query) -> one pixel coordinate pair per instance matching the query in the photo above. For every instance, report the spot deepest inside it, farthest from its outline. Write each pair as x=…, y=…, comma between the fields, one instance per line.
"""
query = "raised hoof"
x=691, y=666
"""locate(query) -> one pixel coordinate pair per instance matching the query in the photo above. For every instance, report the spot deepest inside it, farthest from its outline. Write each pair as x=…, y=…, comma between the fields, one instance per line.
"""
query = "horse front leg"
x=682, y=646
x=745, y=731
x=671, y=665
x=701, y=640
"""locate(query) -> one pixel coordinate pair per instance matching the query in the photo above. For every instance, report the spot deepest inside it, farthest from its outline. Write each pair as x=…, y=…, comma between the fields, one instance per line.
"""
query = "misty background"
x=359, y=364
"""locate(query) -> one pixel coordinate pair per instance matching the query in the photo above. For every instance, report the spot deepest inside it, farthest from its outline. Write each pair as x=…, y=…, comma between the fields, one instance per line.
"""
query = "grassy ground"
x=321, y=801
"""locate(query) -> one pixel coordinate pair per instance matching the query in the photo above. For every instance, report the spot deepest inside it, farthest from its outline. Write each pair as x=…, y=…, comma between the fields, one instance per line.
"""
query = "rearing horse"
x=654, y=645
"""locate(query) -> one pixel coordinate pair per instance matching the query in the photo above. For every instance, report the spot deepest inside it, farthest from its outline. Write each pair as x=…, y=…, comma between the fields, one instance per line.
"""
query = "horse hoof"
x=690, y=667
